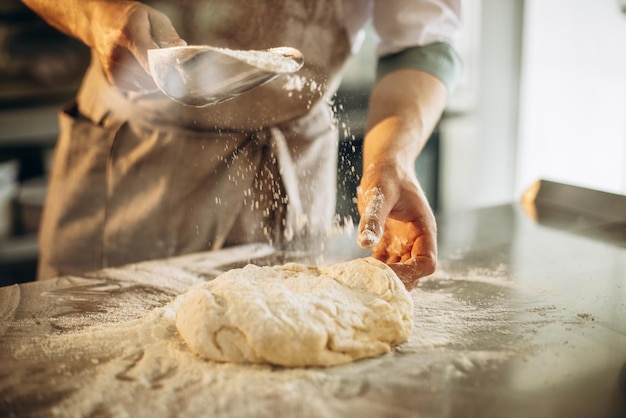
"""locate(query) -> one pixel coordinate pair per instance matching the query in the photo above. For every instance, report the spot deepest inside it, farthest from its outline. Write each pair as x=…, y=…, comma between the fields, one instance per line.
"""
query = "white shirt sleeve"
x=418, y=34
x=402, y=24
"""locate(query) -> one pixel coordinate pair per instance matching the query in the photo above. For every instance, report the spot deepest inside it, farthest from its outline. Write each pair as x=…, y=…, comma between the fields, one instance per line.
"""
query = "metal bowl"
x=201, y=76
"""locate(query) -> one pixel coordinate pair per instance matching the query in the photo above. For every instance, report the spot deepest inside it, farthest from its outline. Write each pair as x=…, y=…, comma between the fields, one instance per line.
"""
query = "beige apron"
x=140, y=177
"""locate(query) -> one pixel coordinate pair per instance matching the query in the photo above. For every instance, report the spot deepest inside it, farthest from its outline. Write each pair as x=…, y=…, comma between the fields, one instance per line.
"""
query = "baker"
x=137, y=176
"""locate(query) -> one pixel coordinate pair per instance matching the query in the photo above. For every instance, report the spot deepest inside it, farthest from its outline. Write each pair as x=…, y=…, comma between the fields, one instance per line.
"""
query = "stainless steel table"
x=525, y=317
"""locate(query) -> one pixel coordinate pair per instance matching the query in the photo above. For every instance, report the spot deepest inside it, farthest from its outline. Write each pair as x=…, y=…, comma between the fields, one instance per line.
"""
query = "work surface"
x=522, y=319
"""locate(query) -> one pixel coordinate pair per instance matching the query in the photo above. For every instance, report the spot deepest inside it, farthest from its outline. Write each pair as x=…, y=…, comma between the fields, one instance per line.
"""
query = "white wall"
x=543, y=96
x=479, y=136
x=573, y=94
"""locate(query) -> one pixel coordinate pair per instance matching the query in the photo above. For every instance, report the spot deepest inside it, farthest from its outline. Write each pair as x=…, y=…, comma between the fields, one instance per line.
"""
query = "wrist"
x=392, y=142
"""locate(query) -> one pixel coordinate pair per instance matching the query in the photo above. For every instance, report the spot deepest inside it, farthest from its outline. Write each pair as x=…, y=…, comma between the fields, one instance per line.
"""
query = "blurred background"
x=542, y=96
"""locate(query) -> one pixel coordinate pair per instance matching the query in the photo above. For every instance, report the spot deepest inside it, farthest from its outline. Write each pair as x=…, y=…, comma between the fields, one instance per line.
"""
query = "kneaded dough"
x=297, y=315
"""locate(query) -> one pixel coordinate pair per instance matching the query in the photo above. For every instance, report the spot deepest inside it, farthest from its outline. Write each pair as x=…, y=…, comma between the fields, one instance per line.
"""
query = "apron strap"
x=286, y=167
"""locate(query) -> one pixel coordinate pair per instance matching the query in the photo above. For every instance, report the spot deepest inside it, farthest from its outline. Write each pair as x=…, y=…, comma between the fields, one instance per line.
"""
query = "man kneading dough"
x=297, y=315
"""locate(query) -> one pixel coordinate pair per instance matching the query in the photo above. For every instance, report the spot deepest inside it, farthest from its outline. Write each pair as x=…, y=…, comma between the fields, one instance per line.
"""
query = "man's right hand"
x=122, y=33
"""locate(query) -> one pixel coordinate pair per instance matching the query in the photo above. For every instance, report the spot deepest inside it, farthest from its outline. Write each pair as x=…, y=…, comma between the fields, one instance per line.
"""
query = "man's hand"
x=120, y=33
x=396, y=219
x=123, y=34
x=397, y=223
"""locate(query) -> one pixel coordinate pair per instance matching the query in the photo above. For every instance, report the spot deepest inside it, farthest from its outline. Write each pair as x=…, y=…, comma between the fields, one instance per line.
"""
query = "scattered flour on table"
x=121, y=368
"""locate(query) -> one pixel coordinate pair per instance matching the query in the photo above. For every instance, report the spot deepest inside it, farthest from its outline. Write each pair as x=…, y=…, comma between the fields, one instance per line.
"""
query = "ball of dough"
x=297, y=315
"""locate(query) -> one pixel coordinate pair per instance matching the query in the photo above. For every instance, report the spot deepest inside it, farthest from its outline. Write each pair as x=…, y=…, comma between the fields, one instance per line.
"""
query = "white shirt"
x=403, y=23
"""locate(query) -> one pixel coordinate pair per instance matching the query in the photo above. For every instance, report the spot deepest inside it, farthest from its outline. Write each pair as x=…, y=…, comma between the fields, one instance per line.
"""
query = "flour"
x=120, y=370
x=127, y=358
x=294, y=83
x=265, y=60
x=372, y=232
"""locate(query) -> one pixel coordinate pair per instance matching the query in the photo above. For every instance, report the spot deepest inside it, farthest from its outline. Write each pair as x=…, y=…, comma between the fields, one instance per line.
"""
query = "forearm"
x=405, y=105
x=119, y=32
x=80, y=19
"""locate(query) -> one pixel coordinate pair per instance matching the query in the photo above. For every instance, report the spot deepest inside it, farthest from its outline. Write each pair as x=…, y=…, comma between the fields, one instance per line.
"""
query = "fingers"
x=163, y=33
x=125, y=61
x=412, y=271
x=406, y=275
x=123, y=71
x=409, y=248
x=416, y=249
x=148, y=30
x=372, y=221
